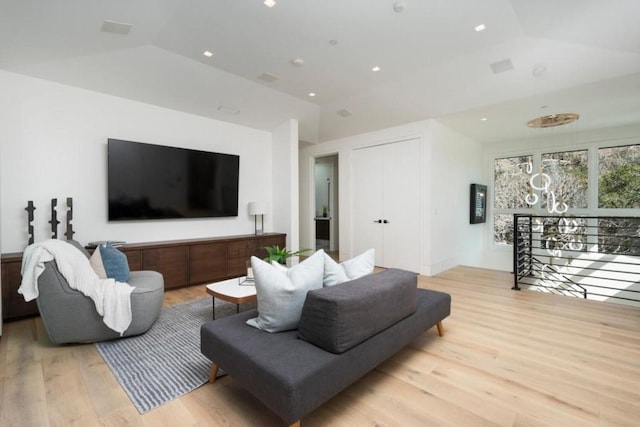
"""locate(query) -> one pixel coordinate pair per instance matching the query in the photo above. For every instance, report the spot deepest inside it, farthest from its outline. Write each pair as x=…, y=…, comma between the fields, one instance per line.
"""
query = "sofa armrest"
x=340, y=317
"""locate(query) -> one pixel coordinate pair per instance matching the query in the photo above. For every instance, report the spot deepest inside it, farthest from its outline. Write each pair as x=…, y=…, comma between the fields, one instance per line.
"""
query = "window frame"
x=592, y=208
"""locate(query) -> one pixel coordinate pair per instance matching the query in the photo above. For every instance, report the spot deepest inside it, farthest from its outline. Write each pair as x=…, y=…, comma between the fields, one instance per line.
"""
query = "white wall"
x=53, y=144
x=456, y=164
x=285, y=182
x=449, y=163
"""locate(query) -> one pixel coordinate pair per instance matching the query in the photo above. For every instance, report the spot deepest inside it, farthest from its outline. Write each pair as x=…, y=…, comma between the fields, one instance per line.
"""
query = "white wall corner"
x=285, y=200
x=439, y=267
x=456, y=163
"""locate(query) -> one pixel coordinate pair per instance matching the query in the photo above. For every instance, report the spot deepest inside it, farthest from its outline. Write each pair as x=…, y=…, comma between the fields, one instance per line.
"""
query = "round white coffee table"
x=235, y=291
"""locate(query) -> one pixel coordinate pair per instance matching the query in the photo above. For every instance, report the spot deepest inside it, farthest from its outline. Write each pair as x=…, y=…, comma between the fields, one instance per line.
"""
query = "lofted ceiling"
x=534, y=58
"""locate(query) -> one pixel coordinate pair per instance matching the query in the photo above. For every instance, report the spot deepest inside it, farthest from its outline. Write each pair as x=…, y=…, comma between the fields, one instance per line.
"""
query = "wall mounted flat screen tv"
x=147, y=181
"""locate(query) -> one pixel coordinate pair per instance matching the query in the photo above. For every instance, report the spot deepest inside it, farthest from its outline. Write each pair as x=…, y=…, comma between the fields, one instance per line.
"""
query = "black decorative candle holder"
x=69, y=233
x=54, y=219
x=30, y=208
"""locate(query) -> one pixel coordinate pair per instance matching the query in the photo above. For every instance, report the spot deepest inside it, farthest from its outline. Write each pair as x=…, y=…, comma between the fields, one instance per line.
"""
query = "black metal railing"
x=594, y=257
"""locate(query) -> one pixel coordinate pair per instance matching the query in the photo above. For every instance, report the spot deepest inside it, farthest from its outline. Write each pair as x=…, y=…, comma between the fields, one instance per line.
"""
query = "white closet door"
x=401, y=241
x=367, y=201
x=386, y=202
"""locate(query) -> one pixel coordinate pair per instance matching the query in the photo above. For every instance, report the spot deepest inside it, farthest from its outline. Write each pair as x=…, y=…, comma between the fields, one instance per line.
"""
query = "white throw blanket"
x=112, y=299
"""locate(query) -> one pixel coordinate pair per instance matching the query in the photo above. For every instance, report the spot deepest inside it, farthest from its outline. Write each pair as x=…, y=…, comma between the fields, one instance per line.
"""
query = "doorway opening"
x=326, y=204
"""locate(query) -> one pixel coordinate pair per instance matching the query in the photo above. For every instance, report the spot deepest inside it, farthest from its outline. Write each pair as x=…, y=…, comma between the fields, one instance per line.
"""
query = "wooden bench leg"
x=213, y=374
x=440, y=328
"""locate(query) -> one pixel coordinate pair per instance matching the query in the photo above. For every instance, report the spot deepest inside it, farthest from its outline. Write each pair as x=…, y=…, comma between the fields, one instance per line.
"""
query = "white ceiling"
x=433, y=63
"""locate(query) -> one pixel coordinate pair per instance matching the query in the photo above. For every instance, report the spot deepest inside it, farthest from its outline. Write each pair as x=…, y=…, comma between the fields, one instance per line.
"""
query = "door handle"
x=378, y=221
x=385, y=222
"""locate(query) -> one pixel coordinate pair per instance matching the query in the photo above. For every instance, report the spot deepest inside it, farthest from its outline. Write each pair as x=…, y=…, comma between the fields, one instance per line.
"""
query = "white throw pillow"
x=354, y=268
x=96, y=263
x=279, y=266
x=281, y=291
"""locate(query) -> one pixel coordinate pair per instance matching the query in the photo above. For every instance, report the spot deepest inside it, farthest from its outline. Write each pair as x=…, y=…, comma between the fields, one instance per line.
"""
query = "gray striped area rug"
x=165, y=362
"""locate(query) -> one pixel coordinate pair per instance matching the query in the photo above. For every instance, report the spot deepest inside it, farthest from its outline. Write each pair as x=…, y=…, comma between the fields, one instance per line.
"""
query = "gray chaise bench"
x=360, y=323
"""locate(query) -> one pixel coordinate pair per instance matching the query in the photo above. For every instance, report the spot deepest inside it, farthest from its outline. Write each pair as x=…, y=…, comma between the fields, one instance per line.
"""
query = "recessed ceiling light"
x=298, y=62
x=269, y=3
x=539, y=71
x=207, y=54
x=312, y=94
x=484, y=119
x=375, y=69
x=333, y=42
x=480, y=27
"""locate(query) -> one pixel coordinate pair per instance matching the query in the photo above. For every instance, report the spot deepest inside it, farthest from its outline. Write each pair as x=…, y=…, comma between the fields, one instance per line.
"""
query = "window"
x=511, y=185
x=619, y=188
x=617, y=236
x=568, y=172
x=511, y=182
x=562, y=234
x=561, y=184
x=619, y=177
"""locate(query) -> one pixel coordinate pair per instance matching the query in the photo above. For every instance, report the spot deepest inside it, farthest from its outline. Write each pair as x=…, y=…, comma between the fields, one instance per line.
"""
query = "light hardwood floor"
x=507, y=358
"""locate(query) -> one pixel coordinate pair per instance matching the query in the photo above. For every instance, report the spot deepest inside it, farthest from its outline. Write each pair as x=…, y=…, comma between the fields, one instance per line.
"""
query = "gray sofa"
x=345, y=331
x=71, y=317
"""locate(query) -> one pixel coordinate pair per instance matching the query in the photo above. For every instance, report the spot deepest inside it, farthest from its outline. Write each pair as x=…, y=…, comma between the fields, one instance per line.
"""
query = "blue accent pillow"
x=114, y=262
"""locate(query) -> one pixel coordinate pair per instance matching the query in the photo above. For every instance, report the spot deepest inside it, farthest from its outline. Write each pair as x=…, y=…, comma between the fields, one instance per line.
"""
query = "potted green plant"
x=325, y=211
x=280, y=255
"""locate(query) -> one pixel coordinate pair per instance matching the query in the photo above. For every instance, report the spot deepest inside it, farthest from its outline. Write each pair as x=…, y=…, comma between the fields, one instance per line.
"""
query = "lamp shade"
x=257, y=208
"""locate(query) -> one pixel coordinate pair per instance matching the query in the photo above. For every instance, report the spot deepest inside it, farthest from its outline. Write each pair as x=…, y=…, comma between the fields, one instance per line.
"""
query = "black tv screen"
x=147, y=181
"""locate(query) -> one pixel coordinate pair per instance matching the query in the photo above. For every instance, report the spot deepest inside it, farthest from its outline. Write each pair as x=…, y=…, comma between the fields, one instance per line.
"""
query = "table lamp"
x=258, y=209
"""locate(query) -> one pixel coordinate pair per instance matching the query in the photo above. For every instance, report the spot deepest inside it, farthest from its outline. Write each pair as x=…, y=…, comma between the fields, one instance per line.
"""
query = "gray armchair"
x=71, y=317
